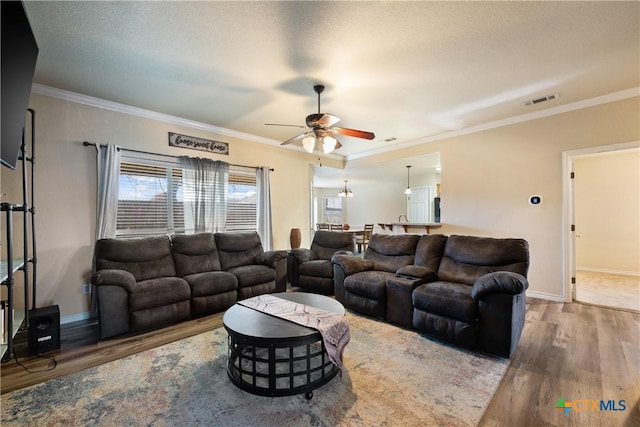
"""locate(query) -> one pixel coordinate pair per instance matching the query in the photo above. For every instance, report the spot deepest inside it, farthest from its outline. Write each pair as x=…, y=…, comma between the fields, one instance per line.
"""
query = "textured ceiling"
x=404, y=70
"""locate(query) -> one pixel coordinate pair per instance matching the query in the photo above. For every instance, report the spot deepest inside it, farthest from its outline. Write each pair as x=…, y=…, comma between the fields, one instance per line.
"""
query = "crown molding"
x=604, y=99
x=141, y=112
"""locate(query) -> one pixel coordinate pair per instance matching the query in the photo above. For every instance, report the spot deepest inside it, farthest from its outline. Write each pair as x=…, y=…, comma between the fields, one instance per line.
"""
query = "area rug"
x=391, y=377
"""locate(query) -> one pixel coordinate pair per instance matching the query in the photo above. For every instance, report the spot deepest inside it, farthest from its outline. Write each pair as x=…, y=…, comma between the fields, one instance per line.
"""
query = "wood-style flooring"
x=577, y=352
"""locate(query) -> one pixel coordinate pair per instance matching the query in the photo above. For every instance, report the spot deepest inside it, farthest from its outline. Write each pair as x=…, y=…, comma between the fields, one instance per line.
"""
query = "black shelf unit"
x=15, y=319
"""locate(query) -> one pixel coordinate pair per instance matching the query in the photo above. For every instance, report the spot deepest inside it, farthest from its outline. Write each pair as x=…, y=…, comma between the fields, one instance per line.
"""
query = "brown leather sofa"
x=149, y=282
x=466, y=290
x=311, y=269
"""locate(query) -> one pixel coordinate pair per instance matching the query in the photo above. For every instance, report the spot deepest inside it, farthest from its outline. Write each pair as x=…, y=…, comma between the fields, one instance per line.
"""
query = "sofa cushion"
x=390, y=252
x=145, y=258
x=326, y=243
x=211, y=283
x=369, y=284
x=317, y=268
x=446, y=299
x=250, y=275
x=467, y=258
x=158, y=292
x=429, y=250
x=237, y=249
x=195, y=253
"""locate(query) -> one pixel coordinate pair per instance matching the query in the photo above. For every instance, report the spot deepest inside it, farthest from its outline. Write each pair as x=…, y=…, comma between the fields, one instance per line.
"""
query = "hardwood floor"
x=572, y=351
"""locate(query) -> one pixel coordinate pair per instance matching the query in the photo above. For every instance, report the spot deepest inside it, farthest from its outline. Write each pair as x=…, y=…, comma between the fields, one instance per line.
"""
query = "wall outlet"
x=85, y=288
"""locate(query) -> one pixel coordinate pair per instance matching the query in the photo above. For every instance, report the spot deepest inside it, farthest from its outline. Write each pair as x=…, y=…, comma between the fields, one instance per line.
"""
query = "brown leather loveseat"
x=149, y=282
x=466, y=290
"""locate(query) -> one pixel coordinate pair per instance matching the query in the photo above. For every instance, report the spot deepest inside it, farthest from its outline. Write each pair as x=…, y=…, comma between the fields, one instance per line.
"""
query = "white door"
x=418, y=204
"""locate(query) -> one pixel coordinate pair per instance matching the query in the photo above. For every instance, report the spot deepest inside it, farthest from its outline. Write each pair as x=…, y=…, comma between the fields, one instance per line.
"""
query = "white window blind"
x=333, y=210
x=150, y=199
x=241, y=207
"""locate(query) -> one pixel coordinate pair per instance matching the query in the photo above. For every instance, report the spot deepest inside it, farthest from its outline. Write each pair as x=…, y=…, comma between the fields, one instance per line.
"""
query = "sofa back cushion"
x=145, y=258
x=466, y=258
x=429, y=251
x=236, y=249
x=326, y=243
x=195, y=253
x=390, y=252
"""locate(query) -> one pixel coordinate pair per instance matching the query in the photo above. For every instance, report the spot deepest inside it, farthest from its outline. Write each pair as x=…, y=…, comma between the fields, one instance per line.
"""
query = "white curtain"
x=204, y=192
x=108, y=183
x=264, y=207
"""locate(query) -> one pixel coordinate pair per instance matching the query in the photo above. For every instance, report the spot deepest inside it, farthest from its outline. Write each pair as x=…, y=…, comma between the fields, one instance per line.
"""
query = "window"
x=333, y=210
x=241, y=203
x=150, y=199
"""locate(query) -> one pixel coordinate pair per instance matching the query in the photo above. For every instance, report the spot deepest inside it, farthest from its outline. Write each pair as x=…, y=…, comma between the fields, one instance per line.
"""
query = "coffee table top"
x=250, y=323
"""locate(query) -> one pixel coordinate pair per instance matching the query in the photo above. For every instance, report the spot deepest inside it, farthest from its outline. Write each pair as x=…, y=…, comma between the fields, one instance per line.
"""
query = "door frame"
x=568, y=210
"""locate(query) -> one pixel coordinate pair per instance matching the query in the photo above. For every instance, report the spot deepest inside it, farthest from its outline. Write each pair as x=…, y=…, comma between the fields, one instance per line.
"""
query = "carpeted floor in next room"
x=391, y=376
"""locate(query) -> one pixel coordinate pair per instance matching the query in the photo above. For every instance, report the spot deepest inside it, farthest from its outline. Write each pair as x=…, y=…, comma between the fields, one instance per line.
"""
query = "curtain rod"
x=87, y=143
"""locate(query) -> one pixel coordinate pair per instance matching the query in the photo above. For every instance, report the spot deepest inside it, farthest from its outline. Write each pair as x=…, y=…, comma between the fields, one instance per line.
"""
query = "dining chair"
x=322, y=226
x=335, y=227
x=362, y=240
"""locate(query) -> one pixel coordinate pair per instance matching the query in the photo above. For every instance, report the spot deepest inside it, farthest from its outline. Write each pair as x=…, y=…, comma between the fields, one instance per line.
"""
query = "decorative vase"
x=295, y=238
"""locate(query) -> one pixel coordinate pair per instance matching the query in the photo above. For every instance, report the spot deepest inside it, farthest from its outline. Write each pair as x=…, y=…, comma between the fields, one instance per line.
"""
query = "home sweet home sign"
x=208, y=145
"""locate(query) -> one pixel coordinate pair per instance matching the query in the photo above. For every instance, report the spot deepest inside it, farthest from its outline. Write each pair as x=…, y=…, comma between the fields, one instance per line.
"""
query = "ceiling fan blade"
x=296, y=138
x=279, y=124
x=333, y=135
x=322, y=120
x=353, y=132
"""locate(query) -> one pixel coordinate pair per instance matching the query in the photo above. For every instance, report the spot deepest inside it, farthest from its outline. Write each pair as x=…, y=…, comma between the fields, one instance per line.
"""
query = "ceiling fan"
x=322, y=133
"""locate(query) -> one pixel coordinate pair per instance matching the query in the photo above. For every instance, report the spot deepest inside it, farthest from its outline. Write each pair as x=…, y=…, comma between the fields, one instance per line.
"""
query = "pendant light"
x=408, y=190
x=346, y=192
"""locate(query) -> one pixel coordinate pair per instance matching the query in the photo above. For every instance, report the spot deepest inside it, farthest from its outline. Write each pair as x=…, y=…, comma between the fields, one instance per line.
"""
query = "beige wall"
x=607, y=212
x=66, y=186
x=487, y=178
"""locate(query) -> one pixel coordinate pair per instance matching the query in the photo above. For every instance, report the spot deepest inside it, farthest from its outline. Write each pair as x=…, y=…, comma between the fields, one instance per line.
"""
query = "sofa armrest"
x=350, y=264
x=114, y=278
x=271, y=258
x=417, y=272
x=302, y=255
x=499, y=282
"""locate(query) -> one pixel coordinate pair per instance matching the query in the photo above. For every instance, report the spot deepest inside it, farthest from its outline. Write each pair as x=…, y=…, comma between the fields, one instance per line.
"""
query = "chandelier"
x=345, y=192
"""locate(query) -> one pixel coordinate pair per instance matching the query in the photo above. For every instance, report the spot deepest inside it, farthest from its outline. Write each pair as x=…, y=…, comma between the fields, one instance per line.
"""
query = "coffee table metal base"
x=279, y=367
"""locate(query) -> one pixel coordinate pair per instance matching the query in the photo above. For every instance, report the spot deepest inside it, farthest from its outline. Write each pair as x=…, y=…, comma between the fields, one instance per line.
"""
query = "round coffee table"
x=269, y=356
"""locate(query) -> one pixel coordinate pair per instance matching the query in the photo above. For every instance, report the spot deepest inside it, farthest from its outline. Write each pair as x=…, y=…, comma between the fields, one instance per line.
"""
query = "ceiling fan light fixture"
x=309, y=143
x=328, y=144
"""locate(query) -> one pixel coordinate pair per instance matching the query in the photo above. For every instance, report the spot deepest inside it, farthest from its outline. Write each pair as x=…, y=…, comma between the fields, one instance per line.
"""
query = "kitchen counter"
x=407, y=225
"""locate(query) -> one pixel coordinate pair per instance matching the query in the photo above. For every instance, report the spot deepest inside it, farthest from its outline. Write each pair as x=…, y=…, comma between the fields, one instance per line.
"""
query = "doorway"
x=601, y=219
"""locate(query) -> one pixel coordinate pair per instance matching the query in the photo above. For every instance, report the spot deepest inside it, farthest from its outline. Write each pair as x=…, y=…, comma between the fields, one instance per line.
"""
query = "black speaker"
x=44, y=329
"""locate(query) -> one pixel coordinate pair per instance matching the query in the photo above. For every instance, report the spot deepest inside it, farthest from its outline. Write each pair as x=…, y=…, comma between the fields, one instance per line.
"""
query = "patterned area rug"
x=391, y=376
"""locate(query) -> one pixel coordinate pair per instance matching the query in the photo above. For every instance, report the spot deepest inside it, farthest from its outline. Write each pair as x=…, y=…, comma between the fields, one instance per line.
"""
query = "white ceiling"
x=404, y=70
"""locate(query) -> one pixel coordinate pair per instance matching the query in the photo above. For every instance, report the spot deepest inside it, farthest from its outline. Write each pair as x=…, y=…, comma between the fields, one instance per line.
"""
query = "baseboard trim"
x=545, y=296
x=75, y=317
x=604, y=270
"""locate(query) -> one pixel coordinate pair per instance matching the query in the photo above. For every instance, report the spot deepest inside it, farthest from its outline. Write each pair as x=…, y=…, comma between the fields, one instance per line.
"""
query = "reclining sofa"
x=466, y=290
x=150, y=282
x=311, y=269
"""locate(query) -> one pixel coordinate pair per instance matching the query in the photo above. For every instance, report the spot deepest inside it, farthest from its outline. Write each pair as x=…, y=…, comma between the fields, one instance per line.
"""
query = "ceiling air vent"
x=393, y=138
x=539, y=100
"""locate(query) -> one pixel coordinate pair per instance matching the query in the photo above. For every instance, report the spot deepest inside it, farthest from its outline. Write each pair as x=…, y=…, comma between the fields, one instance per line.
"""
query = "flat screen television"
x=19, y=52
